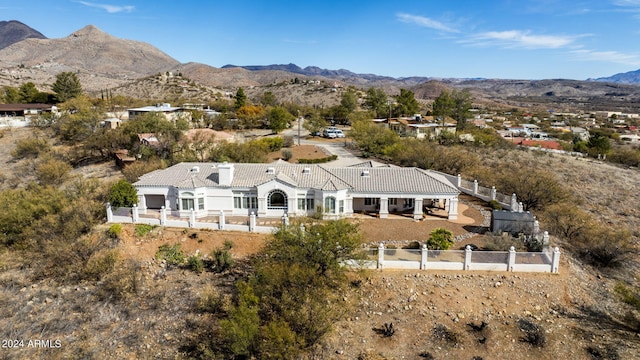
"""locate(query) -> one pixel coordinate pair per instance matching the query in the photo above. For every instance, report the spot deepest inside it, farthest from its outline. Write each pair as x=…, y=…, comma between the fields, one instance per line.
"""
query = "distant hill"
x=630, y=77
x=102, y=60
x=14, y=31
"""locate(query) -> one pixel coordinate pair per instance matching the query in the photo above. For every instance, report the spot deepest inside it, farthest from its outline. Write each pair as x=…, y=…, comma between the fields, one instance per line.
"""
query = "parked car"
x=332, y=132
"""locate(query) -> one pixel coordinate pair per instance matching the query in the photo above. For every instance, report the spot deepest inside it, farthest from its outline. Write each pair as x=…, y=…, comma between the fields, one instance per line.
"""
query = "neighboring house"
x=26, y=110
x=272, y=190
x=123, y=158
x=111, y=123
x=149, y=139
x=418, y=126
x=630, y=138
x=171, y=113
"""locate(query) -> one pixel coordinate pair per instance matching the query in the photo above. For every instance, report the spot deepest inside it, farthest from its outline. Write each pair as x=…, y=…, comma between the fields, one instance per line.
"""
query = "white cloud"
x=607, y=56
x=109, y=8
x=424, y=22
x=520, y=39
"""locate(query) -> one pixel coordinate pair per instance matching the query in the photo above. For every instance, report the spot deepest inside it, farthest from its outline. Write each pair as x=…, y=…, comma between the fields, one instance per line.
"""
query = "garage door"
x=154, y=201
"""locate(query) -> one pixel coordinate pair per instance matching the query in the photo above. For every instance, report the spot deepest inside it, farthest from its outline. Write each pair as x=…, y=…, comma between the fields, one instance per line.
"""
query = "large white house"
x=275, y=189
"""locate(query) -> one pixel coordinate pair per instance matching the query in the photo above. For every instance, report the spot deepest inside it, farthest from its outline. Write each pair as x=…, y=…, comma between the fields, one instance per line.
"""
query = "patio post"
x=424, y=252
x=493, y=193
x=109, y=213
x=467, y=257
x=512, y=258
x=221, y=220
x=380, y=256
x=163, y=215
x=192, y=218
x=252, y=222
x=556, y=260
x=135, y=214
x=475, y=187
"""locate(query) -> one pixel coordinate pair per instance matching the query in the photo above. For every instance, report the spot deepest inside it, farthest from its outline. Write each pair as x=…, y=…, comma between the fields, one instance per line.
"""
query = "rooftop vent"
x=306, y=170
x=195, y=169
x=271, y=170
x=365, y=173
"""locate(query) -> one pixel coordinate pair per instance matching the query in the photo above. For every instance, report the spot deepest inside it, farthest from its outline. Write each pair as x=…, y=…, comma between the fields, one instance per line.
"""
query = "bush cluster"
x=319, y=160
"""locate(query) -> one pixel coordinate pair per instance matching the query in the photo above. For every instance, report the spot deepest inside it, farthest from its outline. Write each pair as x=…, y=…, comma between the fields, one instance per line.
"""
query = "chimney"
x=225, y=174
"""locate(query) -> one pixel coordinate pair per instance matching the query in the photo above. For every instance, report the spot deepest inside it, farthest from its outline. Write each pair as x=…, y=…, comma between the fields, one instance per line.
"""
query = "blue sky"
x=509, y=39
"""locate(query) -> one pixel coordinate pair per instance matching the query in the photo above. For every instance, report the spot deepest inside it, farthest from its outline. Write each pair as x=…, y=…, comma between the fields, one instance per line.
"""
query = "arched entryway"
x=277, y=200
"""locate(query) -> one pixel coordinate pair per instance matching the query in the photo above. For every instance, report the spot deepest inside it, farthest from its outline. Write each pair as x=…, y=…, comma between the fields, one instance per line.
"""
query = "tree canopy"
x=376, y=101
x=66, y=86
x=406, y=103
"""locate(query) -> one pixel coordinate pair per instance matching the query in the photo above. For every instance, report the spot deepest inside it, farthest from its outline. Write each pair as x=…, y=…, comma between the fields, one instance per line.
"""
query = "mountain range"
x=131, y=67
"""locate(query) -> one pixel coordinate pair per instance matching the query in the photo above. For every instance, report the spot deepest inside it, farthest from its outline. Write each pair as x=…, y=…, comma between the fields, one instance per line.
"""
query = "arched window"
x=277, y=200
x=330, y=205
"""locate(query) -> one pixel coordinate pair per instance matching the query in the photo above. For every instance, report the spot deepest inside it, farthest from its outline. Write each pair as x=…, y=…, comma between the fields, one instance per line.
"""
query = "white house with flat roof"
x=275, y=189
x=171, y=113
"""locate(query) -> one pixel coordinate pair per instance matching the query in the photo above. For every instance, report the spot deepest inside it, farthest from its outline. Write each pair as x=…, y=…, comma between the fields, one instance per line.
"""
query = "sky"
x=505, y=39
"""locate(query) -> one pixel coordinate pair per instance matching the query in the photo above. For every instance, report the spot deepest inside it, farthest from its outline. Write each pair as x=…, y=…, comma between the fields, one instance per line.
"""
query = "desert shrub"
x=605, y=247
x=51, y=171
x=30, y=148
x=210, y=301
x=132, y=172
x=608, y=353
x=143, y=229
x=101, y=264
x=502, y=242
x=114, y=231
x=287, y=154
x=173, y=255
x=440, y=239
x=222, y=259
x=412, y=245
x=195, y=263
x=272, y=143
x=123, y=282
x=627, y=295
x=287, y=141
x=533, y=334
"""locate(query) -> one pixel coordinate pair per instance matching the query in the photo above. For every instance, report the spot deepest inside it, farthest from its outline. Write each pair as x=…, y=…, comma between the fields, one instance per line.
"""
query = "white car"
x=332, y=133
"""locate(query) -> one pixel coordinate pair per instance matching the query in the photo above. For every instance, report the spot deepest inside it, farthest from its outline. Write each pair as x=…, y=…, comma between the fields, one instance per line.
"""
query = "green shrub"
x=30, y=148
x=440, y=239
x=627, y=295
x=100, y=264
x=287, y=141
x=222, y=259
x=195, y=263
x=143, y=229
x=287, y=154
x=173, y=255
x=495, y=205
x=114, y=231
x=272, y=143
x=318, y=161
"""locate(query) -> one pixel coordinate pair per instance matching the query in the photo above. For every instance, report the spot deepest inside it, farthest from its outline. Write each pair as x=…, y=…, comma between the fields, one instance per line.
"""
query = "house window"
x=277, y=200
x=245, y=201
x=341, y=207
x=371, y=201
x=330, y=205
x=305, y=204
x=393, y=201
x=200, y=203
x=187, y=204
